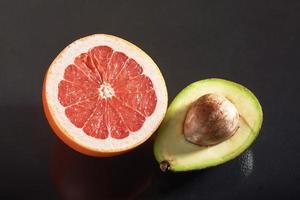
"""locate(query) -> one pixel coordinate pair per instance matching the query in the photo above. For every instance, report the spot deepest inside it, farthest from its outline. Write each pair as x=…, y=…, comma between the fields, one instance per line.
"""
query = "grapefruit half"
x=103, y=95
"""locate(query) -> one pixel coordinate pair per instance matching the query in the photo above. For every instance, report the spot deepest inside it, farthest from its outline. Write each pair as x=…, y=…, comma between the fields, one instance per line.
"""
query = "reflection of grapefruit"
x=103, y=95
x=78, y=177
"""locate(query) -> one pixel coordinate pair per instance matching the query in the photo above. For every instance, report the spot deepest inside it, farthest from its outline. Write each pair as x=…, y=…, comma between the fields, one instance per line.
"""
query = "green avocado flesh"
x=170, y=145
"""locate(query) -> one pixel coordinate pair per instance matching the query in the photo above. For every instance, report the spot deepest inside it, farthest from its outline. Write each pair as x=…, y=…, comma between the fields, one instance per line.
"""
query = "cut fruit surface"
x=103, y=96
x=175, y=153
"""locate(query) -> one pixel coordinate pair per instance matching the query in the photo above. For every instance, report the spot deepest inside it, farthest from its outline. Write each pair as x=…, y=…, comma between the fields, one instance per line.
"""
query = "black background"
x=255, y=43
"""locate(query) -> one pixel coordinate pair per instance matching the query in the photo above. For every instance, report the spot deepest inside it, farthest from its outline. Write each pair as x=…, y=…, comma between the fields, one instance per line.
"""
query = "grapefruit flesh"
x=105, y=93
x=103, y=96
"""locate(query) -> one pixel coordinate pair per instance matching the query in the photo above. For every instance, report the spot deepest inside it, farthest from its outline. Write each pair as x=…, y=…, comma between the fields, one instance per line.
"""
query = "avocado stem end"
x=164, y=166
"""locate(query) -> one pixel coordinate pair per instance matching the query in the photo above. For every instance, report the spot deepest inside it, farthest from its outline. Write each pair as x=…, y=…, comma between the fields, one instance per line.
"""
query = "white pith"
x=55, y=75
x=106, y=91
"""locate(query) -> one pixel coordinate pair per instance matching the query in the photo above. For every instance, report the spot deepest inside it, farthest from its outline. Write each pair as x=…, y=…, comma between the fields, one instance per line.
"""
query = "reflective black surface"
x=255, y=43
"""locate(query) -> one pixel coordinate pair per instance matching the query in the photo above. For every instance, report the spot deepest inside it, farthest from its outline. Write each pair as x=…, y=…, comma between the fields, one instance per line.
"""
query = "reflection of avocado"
x=172, y=149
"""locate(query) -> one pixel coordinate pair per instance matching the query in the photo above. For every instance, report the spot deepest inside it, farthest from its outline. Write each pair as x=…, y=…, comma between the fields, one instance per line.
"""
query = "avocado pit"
x=210, y=120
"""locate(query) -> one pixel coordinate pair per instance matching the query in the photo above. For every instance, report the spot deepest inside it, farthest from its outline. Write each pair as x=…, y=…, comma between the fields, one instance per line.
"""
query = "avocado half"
x=174, y=153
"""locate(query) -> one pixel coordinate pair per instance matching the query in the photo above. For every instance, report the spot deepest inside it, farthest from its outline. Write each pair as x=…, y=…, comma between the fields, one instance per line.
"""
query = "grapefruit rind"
x=75, y=137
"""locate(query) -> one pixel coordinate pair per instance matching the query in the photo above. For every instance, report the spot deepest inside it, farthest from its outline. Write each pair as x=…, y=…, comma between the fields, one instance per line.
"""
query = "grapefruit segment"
x=131, y=117
x=103, y=96
x=138, y=93
x=148, y=102
x=130, y=71
x=117, y=127
x=138, y=84
x=85, y=63
x=115, y=66
x=95, y=125
x=75, y=75
x=70, y=93
x=79, y=113
x=133, y=69
x=100, y=57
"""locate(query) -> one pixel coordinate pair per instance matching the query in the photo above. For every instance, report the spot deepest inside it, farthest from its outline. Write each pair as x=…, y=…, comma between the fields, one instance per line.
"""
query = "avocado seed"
x=210, y=120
